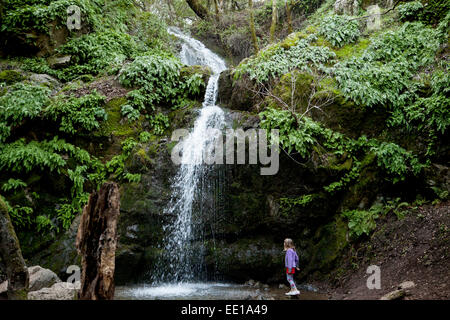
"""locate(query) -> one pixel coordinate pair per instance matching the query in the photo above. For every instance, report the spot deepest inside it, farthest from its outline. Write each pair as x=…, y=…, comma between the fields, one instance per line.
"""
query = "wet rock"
x=235, y=95
x=59, y=291
x=250, y=283
x=41, y=278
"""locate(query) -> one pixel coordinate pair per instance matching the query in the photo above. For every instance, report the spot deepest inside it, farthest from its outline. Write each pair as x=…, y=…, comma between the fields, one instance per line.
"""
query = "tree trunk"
x=16, y=270
x=216, y=7
x=252, y=27
x=199, y=10
x=273, y=26
x=289, y=16
x=96, y=243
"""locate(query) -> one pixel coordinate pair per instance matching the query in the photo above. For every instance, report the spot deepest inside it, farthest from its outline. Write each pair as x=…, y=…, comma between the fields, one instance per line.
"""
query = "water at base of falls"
x=191, y=291
x=211, y=291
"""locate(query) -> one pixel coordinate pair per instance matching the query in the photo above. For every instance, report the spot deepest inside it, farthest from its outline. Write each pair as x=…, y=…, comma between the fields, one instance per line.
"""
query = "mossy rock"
x=362, y=193
x=256, y=258
x=292, y=39
x=329, y=242
x=11, y=76
x=303, y=86
x=205, y=73
x=115, y=124
x=352, y=49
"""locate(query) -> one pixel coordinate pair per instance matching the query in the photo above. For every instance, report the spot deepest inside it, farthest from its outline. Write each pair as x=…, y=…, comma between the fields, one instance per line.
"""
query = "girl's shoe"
x=293, y=293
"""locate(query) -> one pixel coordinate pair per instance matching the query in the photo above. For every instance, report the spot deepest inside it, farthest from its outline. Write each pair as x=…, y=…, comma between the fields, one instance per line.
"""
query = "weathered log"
x=96, y=243
x=11, y=255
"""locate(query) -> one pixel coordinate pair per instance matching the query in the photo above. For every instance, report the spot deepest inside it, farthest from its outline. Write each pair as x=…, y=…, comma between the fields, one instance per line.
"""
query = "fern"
x=339, y=30
x=13, y=184
x=77, y=114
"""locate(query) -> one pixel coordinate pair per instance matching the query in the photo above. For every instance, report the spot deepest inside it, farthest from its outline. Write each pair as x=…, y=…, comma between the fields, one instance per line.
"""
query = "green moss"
x=292, y=40
x=114, y=124
x=11, y=76
x=332, y=240
x=366, y=187
x=322, y=42
x=303, y=83
x=351, y=50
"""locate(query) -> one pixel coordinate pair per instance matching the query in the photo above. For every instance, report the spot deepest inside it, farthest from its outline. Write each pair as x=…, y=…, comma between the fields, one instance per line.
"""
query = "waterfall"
x=182, y=257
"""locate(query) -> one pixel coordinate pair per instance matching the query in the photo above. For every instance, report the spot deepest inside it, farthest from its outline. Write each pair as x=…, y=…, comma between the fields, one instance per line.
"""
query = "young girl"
x=291, y=263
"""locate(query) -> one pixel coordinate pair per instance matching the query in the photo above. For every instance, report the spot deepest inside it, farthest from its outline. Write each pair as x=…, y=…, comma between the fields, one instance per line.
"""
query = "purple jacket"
x=291, y=259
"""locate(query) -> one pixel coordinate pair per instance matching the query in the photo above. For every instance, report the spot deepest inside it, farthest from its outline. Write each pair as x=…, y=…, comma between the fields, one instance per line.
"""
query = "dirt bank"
x=415, y=248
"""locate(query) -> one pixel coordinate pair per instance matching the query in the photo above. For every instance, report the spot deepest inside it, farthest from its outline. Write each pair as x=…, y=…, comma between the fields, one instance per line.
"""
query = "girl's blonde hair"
x=289, y=244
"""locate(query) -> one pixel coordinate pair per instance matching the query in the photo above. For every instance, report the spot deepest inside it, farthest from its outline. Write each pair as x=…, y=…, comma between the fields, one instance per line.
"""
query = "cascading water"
x=182, y=257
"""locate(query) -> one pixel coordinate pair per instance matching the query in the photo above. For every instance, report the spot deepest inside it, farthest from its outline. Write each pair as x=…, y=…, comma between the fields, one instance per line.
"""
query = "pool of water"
x=205, y=291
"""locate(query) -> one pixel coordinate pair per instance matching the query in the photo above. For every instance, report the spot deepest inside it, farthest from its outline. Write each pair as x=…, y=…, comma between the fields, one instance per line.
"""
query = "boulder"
x=11, y=257
x=44, y=79
x=41, y=278
x=59, y=291
x=56, y=62
x=347, y=7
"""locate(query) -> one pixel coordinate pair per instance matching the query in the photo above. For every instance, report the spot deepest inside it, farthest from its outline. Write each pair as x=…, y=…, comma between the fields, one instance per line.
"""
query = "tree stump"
x=96, y=243
x=16, y=270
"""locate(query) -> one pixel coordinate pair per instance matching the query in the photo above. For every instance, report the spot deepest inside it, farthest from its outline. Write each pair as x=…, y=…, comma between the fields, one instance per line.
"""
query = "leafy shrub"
x=144, y=136
x=409, y=11
x=13, y=184
x=129, y=112
x=22, y=101
x=46, y=157
x=383, y=74
x=23, y=157
x=115, y=168
x=361, y=221
x=435, y=11
x=77, y=114
x=152, y=30
x=339, y=30
x=157, y=73
x=23, y=16
x=276, y=60
x=300, y=139
x=429, y=115
x=91, y=53
x=157, y=79
x=159, y=123
x=396, y=161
